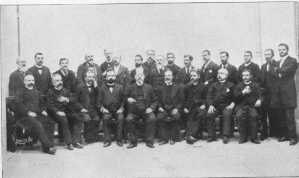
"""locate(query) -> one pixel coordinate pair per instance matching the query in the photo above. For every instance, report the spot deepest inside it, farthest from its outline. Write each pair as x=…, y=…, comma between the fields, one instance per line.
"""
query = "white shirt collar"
x=247, y=64
x=116, y=69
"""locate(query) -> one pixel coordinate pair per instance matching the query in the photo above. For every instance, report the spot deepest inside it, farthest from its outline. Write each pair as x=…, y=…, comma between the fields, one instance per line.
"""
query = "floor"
x=202, y=159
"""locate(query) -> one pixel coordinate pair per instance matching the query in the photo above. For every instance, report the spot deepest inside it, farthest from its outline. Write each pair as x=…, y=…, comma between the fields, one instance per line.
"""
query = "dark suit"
x=106, y=65
x=284, y=95
x=43, y=80
x=112, y=101
x=149, y=64
x=83, y=68
x=183, y=76
x=246, y=113
x=146, y=73
x=220, y=95
x=72, y=123
x=170, y=98
x=145, y=98
x=156, y=77
x=174, y=68
x=87, y=98
x=122, y=76
x=16, y=82
x=69, y=80
x=208, y=74
x=255, y=71
x=232, y=73
x=42, y=126
x=194, y=98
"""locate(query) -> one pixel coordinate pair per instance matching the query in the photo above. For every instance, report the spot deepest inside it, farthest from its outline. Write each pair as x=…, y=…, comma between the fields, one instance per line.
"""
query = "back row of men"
x=166, y=99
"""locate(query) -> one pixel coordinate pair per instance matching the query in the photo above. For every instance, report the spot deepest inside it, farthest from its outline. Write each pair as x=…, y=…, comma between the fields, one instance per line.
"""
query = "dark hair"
x=207, y=51
x=170, y=53
x=189, y=56
x=63, y=59
x=249, y=52
x=225, y=52
x=138, y=55
x=285, y=45
x=37, y=54
x=272, y=51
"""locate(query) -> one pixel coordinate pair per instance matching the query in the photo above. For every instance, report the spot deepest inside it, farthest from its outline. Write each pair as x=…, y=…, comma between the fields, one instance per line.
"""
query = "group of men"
x=156, y=100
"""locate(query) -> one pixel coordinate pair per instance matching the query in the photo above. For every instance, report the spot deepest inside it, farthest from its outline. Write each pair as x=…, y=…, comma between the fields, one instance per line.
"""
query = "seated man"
x=65, y=110
x=171, y=98
x=194, y=107
x=32, y=114
x=220, y=101
x=142, y=103
x=110, y=101
x=86, y=94
x=247, y=94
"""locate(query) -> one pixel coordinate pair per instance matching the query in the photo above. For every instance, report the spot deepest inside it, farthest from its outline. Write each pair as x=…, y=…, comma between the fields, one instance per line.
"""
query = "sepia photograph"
x=150, y=90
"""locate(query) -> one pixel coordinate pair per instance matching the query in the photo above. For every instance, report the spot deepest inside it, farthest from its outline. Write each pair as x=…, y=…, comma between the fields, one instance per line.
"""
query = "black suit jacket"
x=111, y=101
x=183, y=77
x=156, y=77
x=87, y=98
x=209, y=73
x=42, y=81
x=232, y=73
x=171, y=97
x=122, y=76
x=82, y=69
x=105, y=65
x=174, y=68
x=69, y=80
x=247, y=99
x=269, y=78
x=255, y=71
x=146, y=73
x=194, y=95
x=16, y=82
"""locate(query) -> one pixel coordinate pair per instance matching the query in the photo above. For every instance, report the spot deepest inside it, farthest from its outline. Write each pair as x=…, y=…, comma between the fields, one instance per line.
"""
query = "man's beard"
x=30, y=86
x=59, y=86
x=170, y=62
x=137, y=65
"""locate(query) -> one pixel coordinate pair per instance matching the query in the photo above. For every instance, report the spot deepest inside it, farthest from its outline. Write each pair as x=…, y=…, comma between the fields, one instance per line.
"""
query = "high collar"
x=39, y=67
x=248, y=83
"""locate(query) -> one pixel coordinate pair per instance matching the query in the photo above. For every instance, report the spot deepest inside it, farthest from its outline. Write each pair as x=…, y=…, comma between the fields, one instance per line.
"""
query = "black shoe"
x=50, y=150
x=162, y=142
x=255, y=141
x=131, y=145
x=150, y=145
x=106, y=144
x=171, y=142
x=283, y=139
x=211, y=139
x=225, y=140
x=70, y=147
x=190, y=140
x=119, y=143
x=78, y=145
x=293, y=142
x=241, y=141
x=264, y=137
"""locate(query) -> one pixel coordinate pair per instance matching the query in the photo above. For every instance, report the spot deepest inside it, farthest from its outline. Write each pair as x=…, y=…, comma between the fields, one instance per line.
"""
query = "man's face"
x=246, y=76
x=187, y=61
x=168, y=76
x=150, y=55
x=159, y=60
x=110, y=76
x=268, y=55
x=108, y=55
x=29, y=81
x=283, y=51
x=206, y=56
x=64, y=64
x=138, y=61
x=223, y=58
x=194, y=76
x=170, y=58
x=89, y=78
x=21, y=65
x=222, y=75
x=57, y=82
x=39, y=59
x=139, y=77
x=247, y=57
x=116, y=60
x=89, y=58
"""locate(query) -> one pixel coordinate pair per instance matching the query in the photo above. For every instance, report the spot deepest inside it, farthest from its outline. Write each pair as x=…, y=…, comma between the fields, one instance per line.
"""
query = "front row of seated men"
x=161, y=111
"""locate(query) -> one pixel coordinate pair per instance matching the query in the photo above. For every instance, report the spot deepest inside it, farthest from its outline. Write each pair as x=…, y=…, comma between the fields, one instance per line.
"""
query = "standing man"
x=110, y=101
x=157, y=73
x=68, y=76
x=220, y=100
x=183, y=76
x=139, y=68
x=249, y=65
x=150, y=61
x=33, y=116
x=171, y=64
x=171, y=98
x=286, y=94
x=89, y=64
x=209, y=69
x=16, y=78
x=194, y=107
x=108, y=64
x=268, y=82
x=65, y=110
x=142, y=103
x=41, y=74
x=248, y=99
x=232, y=70
x=86, y=94
x=122, y=73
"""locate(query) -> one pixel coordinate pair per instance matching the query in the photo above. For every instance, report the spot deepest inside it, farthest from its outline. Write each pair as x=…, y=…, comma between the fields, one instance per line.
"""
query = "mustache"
x=31, y=84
